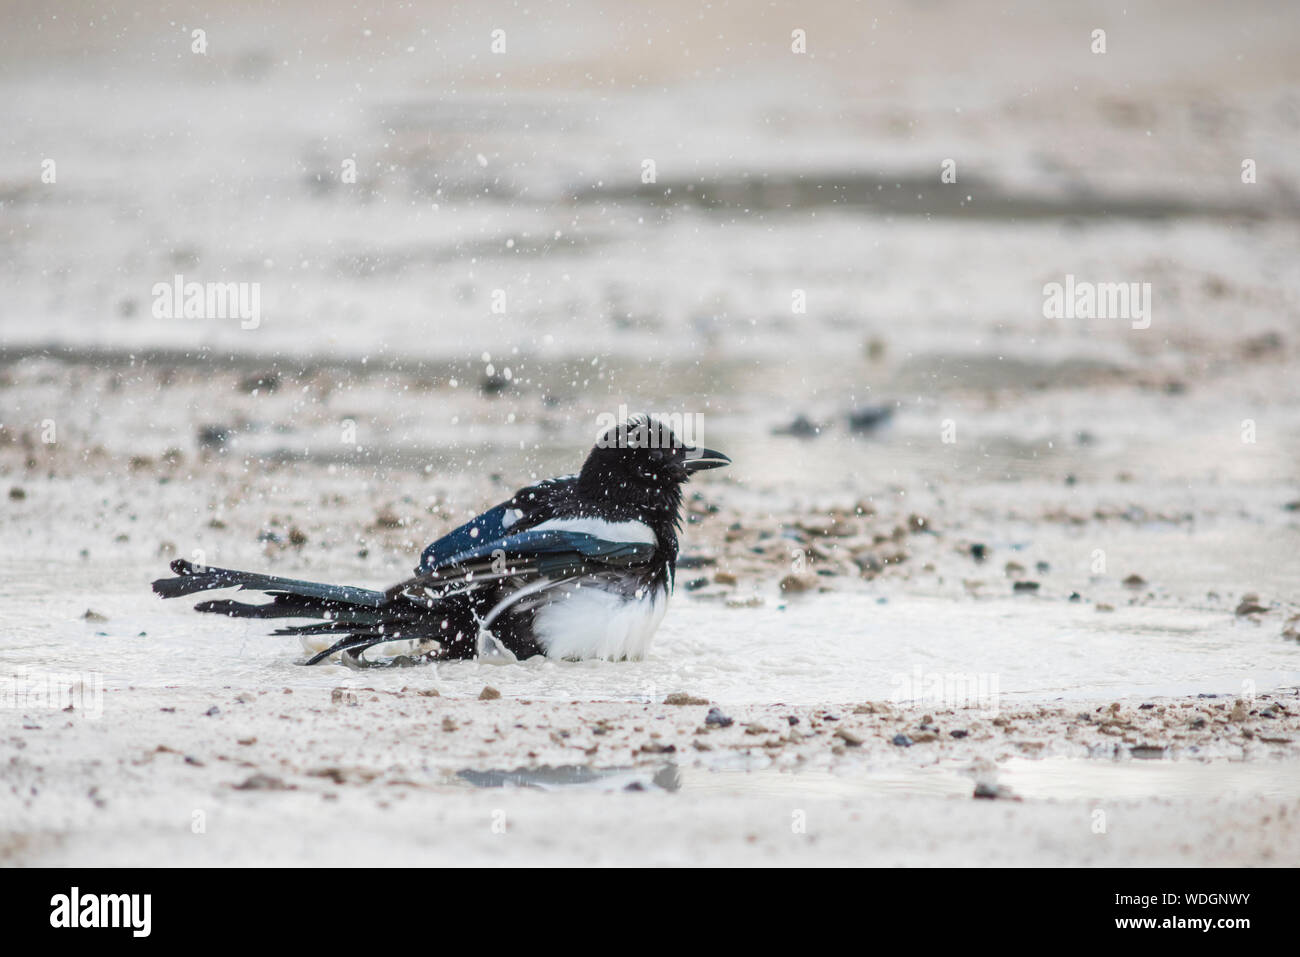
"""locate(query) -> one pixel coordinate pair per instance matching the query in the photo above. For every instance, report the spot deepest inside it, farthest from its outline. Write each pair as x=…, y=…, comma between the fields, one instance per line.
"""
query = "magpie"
x=574, y=567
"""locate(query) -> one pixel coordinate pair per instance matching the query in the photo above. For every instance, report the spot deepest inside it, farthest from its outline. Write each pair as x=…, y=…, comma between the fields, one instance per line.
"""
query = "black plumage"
x=534, y=574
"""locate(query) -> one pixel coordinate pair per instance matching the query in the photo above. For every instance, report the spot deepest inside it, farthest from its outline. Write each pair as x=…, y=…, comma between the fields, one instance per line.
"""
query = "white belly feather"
x=590, y=622
x=578, y=622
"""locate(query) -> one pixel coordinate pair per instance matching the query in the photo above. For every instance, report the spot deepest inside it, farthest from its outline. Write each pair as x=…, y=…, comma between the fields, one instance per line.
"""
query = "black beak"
x=697, y=460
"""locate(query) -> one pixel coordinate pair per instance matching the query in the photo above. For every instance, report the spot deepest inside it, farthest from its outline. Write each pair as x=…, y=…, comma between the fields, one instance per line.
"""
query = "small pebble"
x=682, y=698
x=716, y=718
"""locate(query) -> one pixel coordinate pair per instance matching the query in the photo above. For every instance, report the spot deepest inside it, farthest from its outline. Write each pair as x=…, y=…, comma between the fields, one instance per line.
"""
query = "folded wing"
x=552, y=552
x=492, y=526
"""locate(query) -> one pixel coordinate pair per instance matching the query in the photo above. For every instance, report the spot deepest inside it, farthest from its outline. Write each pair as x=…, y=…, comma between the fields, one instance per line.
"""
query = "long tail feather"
x=282, y=609
x=191, y=578
x=360, y=617
x=350, y=643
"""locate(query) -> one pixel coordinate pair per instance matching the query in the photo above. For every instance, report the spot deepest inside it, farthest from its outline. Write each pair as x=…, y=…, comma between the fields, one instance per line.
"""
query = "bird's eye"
x=657, y=456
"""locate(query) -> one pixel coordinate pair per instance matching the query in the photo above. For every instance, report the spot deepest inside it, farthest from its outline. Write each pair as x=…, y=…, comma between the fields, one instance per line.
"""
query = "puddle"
x=908, y=194
x=561, y=777
x=1061, y=779
x=837, y=648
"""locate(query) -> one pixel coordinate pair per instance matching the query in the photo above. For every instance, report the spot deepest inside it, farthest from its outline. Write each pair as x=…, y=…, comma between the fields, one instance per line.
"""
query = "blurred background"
x=826, y=228
x=521, y=173
x=476, y=227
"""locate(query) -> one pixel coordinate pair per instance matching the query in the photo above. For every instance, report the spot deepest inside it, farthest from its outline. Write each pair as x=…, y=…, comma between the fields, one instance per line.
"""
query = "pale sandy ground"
x=353, y=425
x=354, y=776
x=368, y=774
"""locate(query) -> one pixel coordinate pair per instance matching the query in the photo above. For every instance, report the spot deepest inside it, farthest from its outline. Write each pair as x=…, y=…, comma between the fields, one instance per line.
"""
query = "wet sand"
x=814, y=624
x=1074, y=519
x=361, y=775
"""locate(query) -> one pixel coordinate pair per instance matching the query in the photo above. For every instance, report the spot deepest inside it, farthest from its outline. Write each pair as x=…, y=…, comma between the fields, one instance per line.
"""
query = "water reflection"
x=1028, y=779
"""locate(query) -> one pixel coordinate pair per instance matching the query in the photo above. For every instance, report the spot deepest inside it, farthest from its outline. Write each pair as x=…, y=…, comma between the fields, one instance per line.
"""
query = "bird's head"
x=643, y=461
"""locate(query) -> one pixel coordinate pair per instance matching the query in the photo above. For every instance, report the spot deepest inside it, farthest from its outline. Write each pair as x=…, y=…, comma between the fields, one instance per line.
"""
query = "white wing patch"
x=609, y=531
